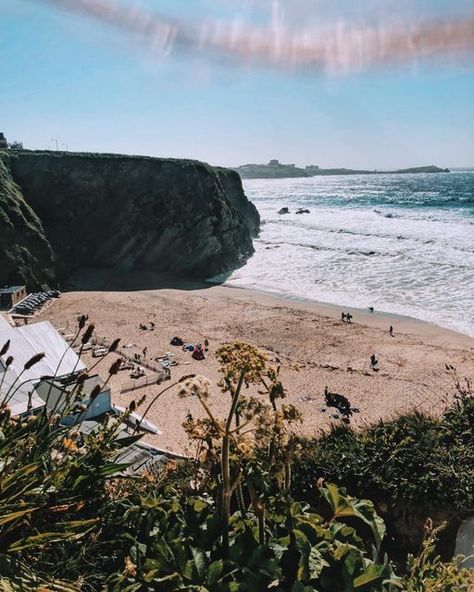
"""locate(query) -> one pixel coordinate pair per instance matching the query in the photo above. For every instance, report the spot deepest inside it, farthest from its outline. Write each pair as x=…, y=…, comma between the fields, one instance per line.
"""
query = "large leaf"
x=345, y=506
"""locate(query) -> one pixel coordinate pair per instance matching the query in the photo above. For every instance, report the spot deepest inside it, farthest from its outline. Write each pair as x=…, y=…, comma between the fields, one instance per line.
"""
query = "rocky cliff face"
x=178, y=217
x=232, y=184
x=26, y=256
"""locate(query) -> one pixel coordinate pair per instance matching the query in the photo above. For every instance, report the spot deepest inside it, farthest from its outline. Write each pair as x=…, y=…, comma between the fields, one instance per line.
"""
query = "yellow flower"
x=69, y=445
x=237, y=358
x=245, y=448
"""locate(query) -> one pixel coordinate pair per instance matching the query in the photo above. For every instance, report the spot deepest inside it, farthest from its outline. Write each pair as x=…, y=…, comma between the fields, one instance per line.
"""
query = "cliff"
x=178, y=217
x=26, y=256
x=232, y=185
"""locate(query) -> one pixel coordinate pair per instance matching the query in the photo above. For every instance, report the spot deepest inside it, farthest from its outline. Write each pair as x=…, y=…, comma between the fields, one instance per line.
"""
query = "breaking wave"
x=403, y=244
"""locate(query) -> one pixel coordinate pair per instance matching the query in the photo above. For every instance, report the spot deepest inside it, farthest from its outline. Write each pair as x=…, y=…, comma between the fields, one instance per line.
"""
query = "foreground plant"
x=427, y=573
x=70, y=520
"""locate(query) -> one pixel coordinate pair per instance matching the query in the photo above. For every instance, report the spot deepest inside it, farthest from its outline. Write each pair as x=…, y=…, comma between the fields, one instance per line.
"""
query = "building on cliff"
x=3, y=141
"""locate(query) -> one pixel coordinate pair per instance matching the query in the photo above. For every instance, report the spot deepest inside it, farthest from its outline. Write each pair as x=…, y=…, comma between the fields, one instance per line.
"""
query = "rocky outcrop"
x=26, y=256
x=178, y=217
x=232, y=185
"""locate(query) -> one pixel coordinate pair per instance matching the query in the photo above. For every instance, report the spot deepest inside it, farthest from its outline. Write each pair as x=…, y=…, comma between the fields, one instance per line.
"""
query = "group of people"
x=346, y=317
x=197, y=351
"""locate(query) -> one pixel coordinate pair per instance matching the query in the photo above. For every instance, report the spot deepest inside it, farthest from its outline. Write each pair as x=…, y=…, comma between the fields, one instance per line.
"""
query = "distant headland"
x=276, y=170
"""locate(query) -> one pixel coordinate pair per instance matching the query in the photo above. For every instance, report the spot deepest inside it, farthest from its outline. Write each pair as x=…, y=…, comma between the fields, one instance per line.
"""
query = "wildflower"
x=9, y=361
x=130, y=567
x=245, y=449
x=34, y=360
x=4, y=349
x=82, y=321
x=56, y=456
x=241, y=358
x=171, y=466
x=69, y=444
x=196, y=385
x=132, y=406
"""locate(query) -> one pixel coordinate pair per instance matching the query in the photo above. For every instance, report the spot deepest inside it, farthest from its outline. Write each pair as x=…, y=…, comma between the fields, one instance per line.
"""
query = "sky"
x=112, y=82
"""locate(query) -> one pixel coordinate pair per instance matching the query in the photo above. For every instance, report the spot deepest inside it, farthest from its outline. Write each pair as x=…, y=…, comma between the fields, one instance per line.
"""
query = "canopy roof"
x=27, y=341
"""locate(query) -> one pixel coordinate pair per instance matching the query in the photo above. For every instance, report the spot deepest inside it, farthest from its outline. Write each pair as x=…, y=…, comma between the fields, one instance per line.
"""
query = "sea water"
x=403, y=244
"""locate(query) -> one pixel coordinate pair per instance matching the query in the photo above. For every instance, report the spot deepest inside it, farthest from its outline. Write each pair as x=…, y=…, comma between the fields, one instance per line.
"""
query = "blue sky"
x=94, y=88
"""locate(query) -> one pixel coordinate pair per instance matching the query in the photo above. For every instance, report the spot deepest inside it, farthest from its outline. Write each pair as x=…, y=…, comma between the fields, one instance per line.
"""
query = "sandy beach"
x=315, y=348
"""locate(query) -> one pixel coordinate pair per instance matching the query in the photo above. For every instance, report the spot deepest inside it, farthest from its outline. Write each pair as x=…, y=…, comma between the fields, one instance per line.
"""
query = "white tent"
x=25, y=342
x=19, y=396
x=4, y=324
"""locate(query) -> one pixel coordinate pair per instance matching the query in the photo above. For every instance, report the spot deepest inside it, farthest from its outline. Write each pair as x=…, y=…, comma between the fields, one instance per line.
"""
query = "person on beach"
x=349, y=317
x=391, y=331
x=373, y=362
x=198, y=353
x=343, y=317
x=371, y=309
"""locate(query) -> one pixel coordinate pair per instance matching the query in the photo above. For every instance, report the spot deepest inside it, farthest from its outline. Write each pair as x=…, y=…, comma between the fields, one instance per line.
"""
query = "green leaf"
x=345, y=506
x=215, y=572
x=14, y=515
x=200, y=561
x=372, y=573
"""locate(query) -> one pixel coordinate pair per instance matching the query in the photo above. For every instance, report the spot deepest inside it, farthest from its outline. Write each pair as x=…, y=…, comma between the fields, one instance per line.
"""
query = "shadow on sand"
x=113, y=280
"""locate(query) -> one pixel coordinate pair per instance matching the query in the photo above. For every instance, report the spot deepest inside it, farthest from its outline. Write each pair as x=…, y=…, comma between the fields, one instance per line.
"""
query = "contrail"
x=336, y=48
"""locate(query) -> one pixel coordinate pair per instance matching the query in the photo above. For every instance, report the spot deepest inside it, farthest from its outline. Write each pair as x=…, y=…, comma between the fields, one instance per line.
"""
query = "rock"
x=284, y=211
x=232, y=185
x=26, y=256
x=302, y=211
x=176, y=217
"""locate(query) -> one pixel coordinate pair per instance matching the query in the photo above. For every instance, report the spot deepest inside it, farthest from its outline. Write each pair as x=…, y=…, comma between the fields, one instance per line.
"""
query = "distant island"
x=276, y=170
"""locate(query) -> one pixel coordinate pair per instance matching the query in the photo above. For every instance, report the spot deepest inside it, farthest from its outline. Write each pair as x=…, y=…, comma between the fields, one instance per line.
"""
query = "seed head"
x=95, y=392
x=9, y=361
x=82, y=378
x=34, y=360
x=5, y=348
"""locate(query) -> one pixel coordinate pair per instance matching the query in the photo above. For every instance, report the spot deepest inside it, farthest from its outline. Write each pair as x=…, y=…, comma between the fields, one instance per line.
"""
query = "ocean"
x=403, y=244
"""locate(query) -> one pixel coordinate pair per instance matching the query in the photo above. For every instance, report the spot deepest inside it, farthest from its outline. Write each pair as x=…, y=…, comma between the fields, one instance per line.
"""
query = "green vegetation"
x=415, y=458
x=227, y=521
x=413, y=467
